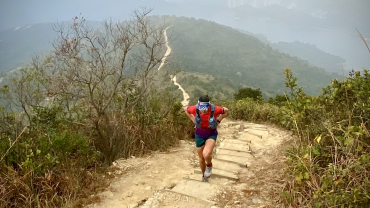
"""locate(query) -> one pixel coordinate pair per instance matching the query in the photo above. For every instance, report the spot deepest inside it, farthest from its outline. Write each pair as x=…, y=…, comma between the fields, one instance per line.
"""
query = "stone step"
x=262, y=133
x=227, y=165
x=170, y=198
x=233, y=151
x=245, y=137
x=237, y=141
x=240, y=146
x=249, y=136
x=241, y=161
x=253, y=125
x=214, y=180
x=246, y=154
x=197, y=189
x=231, y=175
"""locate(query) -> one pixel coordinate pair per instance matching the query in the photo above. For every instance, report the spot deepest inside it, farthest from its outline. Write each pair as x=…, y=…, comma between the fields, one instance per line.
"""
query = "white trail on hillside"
x=186, y=97
x=185, y=101
x=168, y=49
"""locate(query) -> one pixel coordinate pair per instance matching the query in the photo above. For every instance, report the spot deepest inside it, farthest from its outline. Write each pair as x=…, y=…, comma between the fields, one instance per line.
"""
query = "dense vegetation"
x=198, y=84
x=99, y=97
x=248, y=92
x=329, y=165
x=91, y=101
x=235, y=56
x=197, y=46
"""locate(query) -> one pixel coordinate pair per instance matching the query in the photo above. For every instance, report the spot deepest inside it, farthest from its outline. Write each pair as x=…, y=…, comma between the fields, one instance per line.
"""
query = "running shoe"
x=208, y=171
x=204, y=179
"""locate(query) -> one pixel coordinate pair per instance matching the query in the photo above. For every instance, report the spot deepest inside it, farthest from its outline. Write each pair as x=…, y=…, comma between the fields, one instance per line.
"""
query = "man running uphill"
x=206, y=117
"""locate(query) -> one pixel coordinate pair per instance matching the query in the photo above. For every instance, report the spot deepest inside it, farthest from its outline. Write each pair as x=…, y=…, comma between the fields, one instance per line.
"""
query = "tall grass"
x=253, y=111
x=329, y=165
x=59, y=163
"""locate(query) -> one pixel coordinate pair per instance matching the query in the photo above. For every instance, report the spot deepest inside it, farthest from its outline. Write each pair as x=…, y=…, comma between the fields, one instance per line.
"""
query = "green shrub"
x=248, y=92
x=250, y=110
x=330, y=165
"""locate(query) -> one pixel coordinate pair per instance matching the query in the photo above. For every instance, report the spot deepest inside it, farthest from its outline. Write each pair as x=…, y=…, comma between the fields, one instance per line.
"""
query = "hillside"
x=306, y=51
x=312, y=54
x=19, y=45
x=233, y=58
x=206, y=47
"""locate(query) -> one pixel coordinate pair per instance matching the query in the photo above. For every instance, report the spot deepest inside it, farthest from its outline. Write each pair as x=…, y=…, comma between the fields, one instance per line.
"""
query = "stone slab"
x=241, y=147
x=236, y=159
x=225, y=165
x=237, y=141
x=225, y=151
x=197, y=189
x=222, y=182
x=221, y=174
x=170, y=199
x=263, y=133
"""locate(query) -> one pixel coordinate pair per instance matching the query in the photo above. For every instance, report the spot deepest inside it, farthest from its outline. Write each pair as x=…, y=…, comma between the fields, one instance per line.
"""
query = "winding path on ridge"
x=248, y=171
x=185, y=101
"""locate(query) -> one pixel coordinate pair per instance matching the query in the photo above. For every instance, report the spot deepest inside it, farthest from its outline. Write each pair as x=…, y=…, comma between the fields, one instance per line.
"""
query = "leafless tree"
x=106, y=72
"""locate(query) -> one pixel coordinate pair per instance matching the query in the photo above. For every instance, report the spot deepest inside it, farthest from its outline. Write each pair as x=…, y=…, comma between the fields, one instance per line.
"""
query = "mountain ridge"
x=206, y=47
x=226, y=52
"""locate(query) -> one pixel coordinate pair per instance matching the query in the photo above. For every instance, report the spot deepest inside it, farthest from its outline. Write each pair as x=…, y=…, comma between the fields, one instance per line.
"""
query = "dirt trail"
x=186, y=97
x=247, y=170
x=172, y=179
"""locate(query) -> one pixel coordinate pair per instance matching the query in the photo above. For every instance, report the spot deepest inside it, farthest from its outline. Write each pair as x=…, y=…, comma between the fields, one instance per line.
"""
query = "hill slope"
x=312, y=54
x=233, y=59
x=206, y=47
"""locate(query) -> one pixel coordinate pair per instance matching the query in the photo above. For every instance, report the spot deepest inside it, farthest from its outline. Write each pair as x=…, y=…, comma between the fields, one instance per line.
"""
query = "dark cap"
x=204, y=98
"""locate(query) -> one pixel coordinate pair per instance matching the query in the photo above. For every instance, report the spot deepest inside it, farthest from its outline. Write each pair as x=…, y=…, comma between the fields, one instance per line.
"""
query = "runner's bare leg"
x=202, y=162
x=208, y=149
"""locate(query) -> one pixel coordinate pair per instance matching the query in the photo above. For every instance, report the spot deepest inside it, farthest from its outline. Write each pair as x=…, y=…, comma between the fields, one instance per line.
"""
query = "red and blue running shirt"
x=204, y=131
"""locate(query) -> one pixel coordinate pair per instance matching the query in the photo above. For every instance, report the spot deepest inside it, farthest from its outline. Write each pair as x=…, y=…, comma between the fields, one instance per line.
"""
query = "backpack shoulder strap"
x=197, y=110
x=212, y=110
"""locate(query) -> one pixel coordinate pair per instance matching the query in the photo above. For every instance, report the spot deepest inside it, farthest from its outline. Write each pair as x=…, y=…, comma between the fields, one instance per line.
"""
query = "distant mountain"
x=207, y=47
x=330, y=26
x=214, y=58
x=306, y=51
x=312, y=54
x=19, y=45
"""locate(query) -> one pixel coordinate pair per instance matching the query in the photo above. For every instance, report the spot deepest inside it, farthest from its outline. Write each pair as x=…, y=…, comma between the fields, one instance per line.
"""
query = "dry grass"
x=69, y=187
x=265, y=182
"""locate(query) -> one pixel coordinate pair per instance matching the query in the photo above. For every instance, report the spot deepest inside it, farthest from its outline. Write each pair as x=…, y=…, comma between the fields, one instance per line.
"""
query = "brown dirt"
x=138, y=179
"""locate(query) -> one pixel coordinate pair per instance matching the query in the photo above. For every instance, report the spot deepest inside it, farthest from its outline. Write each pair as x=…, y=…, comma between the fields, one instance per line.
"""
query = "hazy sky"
x=329, y=24
x=15, y=13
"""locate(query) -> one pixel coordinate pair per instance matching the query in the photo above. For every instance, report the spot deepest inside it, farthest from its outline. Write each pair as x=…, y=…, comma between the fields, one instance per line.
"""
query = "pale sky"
x=329, y=24
x=15, y=13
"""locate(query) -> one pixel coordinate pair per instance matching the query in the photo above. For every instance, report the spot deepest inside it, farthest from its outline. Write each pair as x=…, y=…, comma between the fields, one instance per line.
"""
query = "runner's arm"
x=222, y=116
x=191, y=116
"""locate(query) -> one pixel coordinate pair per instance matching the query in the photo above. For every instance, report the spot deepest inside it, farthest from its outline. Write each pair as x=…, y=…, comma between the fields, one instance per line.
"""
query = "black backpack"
x=212, y=121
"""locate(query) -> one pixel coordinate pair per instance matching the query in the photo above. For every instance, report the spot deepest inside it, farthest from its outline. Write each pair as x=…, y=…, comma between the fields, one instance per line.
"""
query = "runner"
x=205, y=130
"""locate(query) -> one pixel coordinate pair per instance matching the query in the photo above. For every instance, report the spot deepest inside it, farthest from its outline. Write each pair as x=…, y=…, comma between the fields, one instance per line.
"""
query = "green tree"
x=248, y=92
x=279, y=100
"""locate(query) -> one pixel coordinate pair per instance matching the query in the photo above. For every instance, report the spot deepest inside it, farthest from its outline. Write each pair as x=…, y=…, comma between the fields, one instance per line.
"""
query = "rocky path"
x=248, y=172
